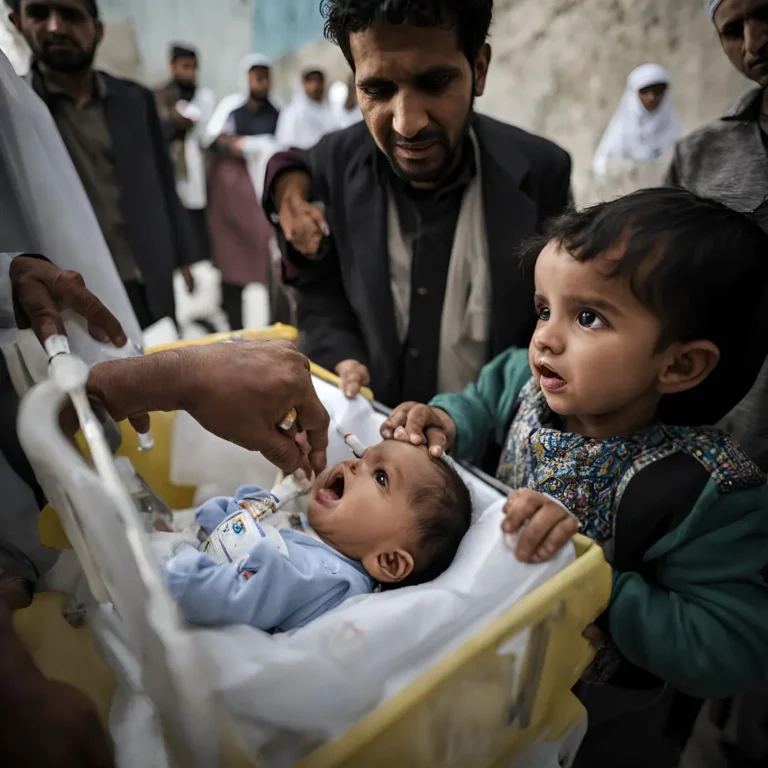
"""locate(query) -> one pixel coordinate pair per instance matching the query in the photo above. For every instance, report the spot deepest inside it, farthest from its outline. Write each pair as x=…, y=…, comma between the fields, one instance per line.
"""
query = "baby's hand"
x=546, y=526
x=417, y=424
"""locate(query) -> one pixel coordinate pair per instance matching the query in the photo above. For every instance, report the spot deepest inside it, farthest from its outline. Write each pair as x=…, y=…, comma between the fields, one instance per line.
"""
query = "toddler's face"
x=594, y=351
x=363, y=508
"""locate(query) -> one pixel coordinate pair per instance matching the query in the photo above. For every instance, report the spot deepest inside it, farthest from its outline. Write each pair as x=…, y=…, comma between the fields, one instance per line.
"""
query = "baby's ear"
x=389, y=567
x=689, y=364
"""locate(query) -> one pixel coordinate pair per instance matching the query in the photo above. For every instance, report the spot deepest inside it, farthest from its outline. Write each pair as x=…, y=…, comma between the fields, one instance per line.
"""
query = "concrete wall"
x=560, y=66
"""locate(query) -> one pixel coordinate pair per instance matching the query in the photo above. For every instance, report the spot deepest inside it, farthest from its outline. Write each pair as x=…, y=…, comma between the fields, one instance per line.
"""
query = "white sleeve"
x=7, y=319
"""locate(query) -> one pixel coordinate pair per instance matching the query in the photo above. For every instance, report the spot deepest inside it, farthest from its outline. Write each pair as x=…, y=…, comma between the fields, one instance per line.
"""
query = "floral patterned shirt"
x=589, y=476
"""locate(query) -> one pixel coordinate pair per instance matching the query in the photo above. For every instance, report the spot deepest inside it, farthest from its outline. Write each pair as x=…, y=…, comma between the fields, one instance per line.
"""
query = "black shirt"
x=428, y=219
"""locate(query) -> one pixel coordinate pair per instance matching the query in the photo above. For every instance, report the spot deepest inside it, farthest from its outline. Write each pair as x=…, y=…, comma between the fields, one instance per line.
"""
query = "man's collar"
x=46, y=88
x=748, y=107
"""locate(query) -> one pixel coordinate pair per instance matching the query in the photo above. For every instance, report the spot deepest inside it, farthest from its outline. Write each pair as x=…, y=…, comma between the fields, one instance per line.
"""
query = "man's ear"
x=689, y=364
x=482, y=63
x=99, y=31
x=389, y=567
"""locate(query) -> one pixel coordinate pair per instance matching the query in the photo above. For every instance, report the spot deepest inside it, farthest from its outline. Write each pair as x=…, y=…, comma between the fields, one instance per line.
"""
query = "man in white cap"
x=727, y=160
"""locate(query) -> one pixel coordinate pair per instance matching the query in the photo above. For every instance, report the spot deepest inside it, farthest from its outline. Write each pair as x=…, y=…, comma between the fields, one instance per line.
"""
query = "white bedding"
x=293, y=691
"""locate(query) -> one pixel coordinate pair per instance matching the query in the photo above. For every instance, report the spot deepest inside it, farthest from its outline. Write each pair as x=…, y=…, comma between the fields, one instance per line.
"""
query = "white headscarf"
x=634, y=133
x=235, y=100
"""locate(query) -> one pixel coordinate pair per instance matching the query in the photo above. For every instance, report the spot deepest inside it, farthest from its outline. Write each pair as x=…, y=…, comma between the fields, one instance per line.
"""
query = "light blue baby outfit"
x=265, y=590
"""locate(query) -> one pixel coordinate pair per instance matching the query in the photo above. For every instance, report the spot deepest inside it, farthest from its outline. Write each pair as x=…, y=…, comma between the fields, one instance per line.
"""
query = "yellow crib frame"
x=479, y=707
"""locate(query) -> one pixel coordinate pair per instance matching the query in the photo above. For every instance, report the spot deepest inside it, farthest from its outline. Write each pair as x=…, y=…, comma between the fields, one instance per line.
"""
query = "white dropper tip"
x=146, y=442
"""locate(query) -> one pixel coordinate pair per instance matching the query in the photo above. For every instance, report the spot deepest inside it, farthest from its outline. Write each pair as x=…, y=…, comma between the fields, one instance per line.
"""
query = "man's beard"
x=70, y=61
x=259, y=96
x=186, y=89
x=435, y=175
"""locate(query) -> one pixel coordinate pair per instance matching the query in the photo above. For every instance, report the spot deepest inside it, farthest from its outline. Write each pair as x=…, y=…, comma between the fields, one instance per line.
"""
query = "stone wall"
x=560, y=66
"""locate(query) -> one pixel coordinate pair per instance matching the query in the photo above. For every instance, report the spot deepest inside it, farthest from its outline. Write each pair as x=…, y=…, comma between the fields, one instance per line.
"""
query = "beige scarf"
x=465, y=327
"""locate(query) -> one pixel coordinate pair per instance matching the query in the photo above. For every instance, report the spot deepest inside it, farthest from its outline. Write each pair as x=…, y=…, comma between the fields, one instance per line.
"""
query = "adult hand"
x=303, y=224
x=546, y=525
x=41, y=290
x=418, y=424
x=240, y=392
x=189, y=278
x=180, y=121
x=354, y=376
x=43, y=723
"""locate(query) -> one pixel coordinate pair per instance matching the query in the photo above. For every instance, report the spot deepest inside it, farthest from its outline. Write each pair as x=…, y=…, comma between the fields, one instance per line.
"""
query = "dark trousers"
x=232, y=304
x=199, y=222
x=634, y=729
x=137, y=295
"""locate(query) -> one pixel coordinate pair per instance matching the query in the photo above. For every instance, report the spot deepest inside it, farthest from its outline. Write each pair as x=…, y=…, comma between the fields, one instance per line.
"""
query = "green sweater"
x=702, y=626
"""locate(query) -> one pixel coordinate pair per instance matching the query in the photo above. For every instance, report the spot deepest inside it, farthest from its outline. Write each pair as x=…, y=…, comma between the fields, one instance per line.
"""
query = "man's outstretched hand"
x=241, y=392
x=41, y=290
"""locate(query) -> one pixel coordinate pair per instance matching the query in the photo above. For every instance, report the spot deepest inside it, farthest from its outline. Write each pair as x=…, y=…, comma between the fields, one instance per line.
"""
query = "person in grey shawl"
x=728, y=160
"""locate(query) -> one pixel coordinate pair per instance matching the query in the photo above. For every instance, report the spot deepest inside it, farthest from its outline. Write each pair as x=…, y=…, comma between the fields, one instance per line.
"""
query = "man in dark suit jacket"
x=111, y=129
x=364, y=310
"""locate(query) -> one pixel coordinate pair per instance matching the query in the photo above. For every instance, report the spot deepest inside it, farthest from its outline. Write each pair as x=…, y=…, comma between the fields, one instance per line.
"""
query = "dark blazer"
x=159, y=233
x=345, y=302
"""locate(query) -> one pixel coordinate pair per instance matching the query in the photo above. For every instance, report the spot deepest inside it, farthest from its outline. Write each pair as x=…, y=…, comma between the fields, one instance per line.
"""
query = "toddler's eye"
x=544, y=313
x=380, y=476
x=590, y=319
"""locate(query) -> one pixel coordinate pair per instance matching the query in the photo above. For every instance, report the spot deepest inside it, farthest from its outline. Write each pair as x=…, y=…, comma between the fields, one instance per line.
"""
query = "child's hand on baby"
x=545, y=526
x=419, y=424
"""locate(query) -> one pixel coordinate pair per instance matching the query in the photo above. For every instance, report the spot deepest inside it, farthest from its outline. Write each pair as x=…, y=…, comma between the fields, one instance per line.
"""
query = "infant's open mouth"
x=548, y=373
x=336, y=487
x=333, y=491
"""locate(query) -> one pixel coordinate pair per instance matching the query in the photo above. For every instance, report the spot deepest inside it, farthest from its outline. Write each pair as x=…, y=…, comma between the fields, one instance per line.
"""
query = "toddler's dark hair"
x=699, y=266
x=444, y=512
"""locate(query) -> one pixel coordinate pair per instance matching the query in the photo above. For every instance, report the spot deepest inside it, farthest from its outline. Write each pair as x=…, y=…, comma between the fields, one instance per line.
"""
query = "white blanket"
x=293, y=691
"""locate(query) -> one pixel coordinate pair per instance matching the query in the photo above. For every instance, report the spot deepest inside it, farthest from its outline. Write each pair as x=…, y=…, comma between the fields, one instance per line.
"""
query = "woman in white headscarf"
x=645, y=126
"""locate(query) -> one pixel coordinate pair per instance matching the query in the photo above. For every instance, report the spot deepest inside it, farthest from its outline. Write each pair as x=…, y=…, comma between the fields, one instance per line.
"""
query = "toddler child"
x=394, y=518
x=651, y=322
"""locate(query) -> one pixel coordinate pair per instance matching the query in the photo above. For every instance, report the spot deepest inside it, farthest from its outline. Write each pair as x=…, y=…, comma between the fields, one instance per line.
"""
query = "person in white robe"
x=645, y=127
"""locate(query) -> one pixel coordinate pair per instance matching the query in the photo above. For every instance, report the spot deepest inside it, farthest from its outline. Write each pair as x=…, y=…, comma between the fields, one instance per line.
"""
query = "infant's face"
x=361, y=508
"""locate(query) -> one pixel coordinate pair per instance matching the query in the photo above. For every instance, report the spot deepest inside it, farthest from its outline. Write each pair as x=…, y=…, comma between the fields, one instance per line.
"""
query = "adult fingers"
x=521, y=506
x=557, y=538
x=141, y=424
x=38, y=308
x=315, y=421
x=397, y=418
x=318, y=217
x=282, y=451
x=102, y=324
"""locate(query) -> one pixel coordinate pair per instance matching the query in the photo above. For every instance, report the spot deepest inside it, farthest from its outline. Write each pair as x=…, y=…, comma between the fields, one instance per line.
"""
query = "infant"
x=394, y=518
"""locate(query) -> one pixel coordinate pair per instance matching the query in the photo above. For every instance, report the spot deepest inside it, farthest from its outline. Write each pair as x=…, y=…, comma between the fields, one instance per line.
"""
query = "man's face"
x=743, y=29
x=314, y=86
x=61, y=33
x=184, y=70
x=258, y=83
x=416, y=90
